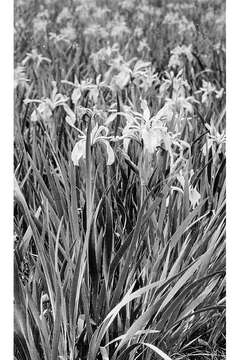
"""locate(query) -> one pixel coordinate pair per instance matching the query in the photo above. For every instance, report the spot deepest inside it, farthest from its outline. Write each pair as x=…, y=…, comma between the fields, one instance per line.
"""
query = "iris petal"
x=146, y=111
x=110, y=152
x=99, y=130
x=79, y=151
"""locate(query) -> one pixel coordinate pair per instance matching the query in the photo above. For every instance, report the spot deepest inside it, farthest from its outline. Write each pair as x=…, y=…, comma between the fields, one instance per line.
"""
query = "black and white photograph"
x=119, y=190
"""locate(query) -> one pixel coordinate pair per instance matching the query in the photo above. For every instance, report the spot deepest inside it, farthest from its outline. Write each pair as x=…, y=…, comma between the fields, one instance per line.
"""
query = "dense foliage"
x=119, y=198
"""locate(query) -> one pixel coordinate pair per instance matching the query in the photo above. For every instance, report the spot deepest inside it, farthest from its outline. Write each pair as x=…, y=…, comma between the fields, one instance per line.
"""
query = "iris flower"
x=176, y=56
x=47, y=105
x=214, y=137
x=36, y=58
x=79, y=88
x=179, y=102
x=99, y=134
x=194, y=195
x=209, y=89
x=151, y=130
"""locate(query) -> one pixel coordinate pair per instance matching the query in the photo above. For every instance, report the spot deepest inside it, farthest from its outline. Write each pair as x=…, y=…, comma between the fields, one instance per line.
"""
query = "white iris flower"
x=99, y=134
x=47, y=105
x=151, y=130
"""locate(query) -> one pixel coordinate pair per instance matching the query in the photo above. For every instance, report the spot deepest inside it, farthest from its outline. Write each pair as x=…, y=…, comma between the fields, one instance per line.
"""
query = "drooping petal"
x=146, y=111
x=110, y=152
x=76, y=94
x=176, y=188
x=79, y=151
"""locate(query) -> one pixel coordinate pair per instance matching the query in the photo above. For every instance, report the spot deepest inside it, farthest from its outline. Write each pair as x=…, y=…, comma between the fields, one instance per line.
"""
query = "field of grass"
x=119, y=167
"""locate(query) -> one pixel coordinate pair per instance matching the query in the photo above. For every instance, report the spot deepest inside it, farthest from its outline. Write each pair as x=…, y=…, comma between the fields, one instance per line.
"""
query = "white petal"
x=194, y=196
x=93, y=94
x=76, y=94
x=43, y=111
x=122, y=78
x=29, y=101
x=148, y=140
x=146, y=111
x=219, y=93
x=79, y=151
x=100, y=130
x=34, y=116
x=176, y=188
x=110, y=152
x=167, y=142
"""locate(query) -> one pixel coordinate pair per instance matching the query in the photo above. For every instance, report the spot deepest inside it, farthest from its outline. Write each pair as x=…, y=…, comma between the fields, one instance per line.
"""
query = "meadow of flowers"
x=119, y=167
